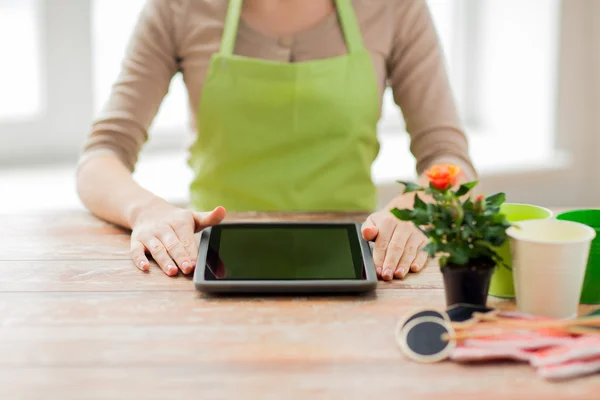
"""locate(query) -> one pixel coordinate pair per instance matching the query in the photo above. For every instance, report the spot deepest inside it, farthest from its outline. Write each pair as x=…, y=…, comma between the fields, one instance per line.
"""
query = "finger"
x=408, y=256
x=138, y=255
x=420, y=260
x=161, y=256
x=369, y=230
x=185, y=234
x=189, y=243
x=386, y=230
x=175, y=248
x=395, y=250
x=184, y=229
x=206, y=219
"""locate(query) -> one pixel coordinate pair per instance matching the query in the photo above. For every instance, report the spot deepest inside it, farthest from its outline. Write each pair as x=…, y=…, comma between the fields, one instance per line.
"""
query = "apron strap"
x=345, y=12
x=349, y=24
x=234, y=12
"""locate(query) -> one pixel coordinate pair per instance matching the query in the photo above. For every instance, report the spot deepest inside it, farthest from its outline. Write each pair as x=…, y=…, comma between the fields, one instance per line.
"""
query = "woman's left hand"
x=398, y=245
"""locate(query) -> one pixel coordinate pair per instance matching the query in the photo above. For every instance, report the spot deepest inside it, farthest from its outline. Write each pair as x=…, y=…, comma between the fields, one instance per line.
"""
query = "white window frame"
x=66, y=34
x=496, y=147
x=58, y=131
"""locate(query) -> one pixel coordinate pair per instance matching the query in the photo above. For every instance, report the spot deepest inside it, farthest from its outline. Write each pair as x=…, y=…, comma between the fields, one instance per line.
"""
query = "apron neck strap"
x=345, y=12
x=349, y=24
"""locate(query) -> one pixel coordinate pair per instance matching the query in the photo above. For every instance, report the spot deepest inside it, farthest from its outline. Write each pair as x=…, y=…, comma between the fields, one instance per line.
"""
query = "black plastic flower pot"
x=467, y=284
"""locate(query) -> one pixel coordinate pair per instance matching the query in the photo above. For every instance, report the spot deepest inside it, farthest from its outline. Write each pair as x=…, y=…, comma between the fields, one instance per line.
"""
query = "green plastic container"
x=502, y=284
x=590, y=293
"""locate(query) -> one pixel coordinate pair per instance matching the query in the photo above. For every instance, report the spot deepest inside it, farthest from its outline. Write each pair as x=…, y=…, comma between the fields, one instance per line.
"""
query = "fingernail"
x=172, y=270
x=387, y=274
x=144, y=266
x=414, y=267
x=402, y=272
x=379, y=271
x=186, y=267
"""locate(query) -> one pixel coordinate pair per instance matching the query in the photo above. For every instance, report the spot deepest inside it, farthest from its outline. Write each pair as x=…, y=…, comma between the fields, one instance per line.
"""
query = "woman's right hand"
x=167, y=233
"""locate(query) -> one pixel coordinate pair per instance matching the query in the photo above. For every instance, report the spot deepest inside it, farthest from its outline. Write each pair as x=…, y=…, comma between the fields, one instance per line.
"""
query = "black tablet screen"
x=284, y=252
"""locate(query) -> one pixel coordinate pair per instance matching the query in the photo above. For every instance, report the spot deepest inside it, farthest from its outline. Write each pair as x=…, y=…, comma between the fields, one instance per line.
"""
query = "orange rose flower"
x=479, y=198
x=443, y=176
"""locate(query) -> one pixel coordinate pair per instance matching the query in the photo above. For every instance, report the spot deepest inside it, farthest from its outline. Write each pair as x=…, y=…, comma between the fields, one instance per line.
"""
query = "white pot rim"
x=587, y=233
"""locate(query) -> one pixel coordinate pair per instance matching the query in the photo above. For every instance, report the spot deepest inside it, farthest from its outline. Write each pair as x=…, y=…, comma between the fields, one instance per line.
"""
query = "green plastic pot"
x=502, y=284
x=590, y=293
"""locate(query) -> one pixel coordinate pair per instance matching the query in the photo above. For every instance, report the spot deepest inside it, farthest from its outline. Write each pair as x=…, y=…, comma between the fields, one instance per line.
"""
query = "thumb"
x=206, y=219
x=369, y=230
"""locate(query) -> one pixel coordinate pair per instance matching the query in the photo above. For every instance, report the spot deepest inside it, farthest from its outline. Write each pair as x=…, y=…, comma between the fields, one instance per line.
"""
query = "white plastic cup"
x=549, y=259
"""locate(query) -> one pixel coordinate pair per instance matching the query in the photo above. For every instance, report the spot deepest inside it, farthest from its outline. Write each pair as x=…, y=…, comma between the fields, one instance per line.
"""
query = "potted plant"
x=463, y=232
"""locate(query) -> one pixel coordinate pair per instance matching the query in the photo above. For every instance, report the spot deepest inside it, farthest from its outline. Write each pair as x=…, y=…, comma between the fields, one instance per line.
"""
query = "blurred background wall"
x=526, y=77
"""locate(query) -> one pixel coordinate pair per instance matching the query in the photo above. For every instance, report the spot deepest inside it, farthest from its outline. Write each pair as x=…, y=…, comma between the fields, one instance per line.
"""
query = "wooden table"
x=79, y=321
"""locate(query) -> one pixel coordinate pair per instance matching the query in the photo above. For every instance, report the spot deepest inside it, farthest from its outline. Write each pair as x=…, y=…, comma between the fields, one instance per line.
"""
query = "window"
x=46, y=85
x=502, y=69
x=20, y=96
x=65, y=54
x=113, y=21
x=73, y=40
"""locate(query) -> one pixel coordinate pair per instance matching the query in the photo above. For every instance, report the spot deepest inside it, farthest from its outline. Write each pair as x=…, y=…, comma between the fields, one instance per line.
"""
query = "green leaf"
x=420, y=217
x=468, y=205
x=498, y=241
x=482, y=249
x=403, y=215
x=468, y=219
x=443, y=224
x=431, y=249
x=465, y=234
x=458, y=256
x=495, y=235
x=498, y=218
x=419, y=203
x=410, y=187
x=495, y=200
x=465, y=188
x=430, y=209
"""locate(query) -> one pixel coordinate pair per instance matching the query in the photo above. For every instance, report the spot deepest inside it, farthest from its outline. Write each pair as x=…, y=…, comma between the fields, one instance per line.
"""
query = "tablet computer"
x=284, y=257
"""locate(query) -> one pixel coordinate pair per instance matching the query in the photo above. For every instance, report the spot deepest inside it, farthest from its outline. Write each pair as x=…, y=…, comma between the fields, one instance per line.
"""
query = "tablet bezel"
x=287, y=286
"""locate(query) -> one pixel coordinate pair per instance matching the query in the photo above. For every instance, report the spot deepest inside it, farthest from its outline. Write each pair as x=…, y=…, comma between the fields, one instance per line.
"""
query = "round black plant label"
x=422, y=339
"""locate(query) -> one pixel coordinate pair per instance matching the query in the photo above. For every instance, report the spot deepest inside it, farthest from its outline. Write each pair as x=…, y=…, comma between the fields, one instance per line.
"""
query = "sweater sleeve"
x=149, y=65
x=418, y=79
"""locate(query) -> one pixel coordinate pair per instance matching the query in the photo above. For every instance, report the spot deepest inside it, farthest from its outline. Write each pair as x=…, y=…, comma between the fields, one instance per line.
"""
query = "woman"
x=285, y=97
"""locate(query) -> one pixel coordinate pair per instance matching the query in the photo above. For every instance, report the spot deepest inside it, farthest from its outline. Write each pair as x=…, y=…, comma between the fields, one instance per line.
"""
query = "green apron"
x=278, y=136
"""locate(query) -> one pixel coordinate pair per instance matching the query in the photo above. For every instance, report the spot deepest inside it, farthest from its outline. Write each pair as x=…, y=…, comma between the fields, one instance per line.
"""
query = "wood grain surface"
x=79, y=321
